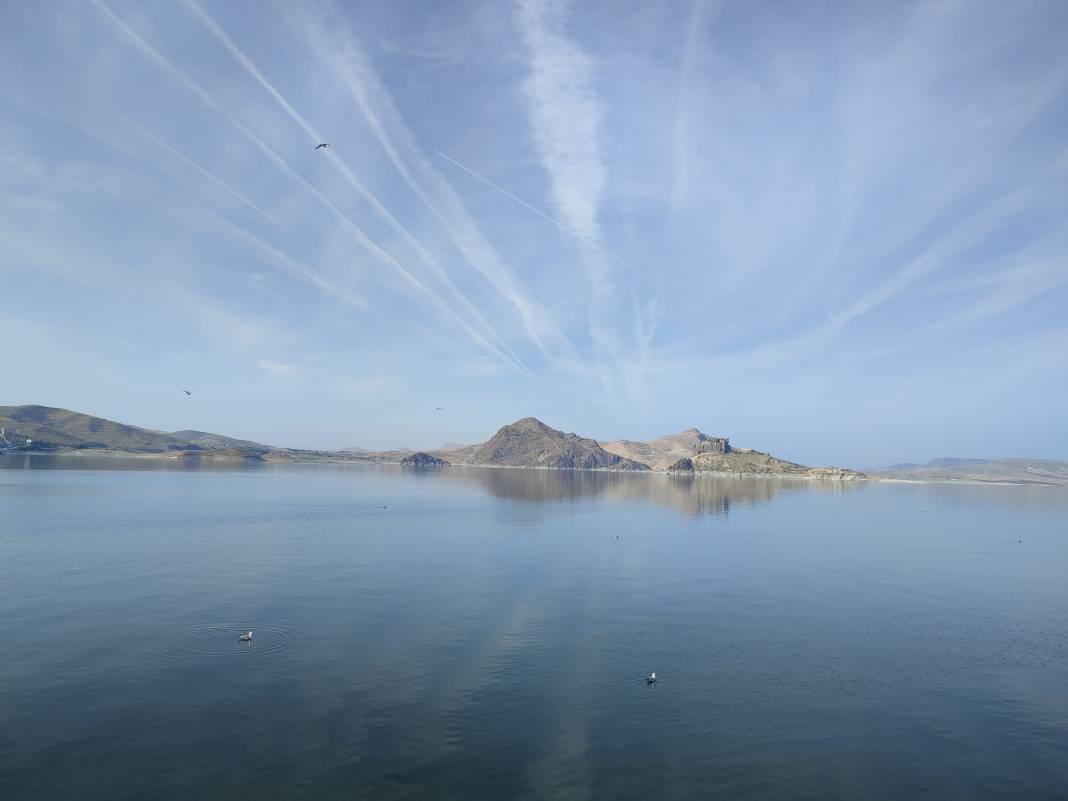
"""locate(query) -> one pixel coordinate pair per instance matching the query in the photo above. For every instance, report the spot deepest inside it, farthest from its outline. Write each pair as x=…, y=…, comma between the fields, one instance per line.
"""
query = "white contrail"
x=340, y=50
x=315, y=137
x=679, y=183
x=293, y=266
x=354, y=230
x=544, y=216
x=201, y=170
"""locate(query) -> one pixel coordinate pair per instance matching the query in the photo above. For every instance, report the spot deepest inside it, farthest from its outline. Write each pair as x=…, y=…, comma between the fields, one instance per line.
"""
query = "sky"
x=832, y=231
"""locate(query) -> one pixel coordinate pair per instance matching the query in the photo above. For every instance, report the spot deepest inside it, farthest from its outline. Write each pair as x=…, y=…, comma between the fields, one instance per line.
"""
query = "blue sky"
x=834, y=231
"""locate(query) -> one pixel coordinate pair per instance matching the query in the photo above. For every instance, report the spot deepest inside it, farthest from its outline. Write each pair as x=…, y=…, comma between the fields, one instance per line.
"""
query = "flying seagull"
x=322, y=144
x=651, y=678
x=187, y=392
x=439, y=409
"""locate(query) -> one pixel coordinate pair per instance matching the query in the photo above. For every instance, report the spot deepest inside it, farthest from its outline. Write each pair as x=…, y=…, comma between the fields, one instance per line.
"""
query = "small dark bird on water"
x=322, y=144
x=187, y=392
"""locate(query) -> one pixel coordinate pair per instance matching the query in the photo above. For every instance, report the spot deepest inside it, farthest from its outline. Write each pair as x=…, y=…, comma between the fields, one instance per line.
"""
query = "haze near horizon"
x=833, y=233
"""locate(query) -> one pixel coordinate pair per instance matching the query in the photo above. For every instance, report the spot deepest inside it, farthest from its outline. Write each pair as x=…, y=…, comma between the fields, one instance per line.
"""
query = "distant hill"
x=216, y=441
x=1012, y=471
x=531, y=443
x=50, y=428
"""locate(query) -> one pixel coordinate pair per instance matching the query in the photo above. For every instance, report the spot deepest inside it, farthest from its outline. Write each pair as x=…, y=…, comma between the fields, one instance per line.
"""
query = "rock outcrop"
x=743, y=461
x=682, y=467
x=424, y=461
x=662, y=452
x=531, y=443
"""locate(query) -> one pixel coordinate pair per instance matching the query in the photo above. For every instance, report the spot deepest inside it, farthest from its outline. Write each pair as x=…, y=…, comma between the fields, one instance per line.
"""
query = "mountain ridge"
x=1046, y=472
x=526, y=443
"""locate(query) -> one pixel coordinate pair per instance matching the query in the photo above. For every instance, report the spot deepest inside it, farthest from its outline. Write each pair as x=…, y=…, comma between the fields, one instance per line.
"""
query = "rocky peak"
x=531, y=443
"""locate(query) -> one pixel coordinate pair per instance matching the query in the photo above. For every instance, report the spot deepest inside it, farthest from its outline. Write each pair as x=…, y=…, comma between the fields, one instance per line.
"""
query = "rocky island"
x=423, y=461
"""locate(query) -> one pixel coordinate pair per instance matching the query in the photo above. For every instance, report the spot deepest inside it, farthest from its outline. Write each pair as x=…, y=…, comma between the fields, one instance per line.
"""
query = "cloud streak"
x=215, y=179
x=315, y=137
x=341, y=52
x=565, y=120
x=293, y=266
x=588, y=242
x=357, y=234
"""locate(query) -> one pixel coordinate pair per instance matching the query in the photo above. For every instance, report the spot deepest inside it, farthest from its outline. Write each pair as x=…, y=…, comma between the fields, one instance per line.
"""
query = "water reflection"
x=692, y=496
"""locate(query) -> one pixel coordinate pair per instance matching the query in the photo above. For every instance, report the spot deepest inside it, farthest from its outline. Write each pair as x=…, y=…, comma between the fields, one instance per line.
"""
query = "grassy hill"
x=50, y=428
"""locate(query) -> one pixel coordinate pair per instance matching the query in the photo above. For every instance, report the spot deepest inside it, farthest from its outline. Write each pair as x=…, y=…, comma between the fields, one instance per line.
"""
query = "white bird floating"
x=248, y=638
x=650, y=679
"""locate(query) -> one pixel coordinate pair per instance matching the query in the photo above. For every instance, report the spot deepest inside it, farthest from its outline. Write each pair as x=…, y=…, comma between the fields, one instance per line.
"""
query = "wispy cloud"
x=353, y=229
x=679, y=183
x=213, y=178
x=565, y=117
x=293, y=266
x=276, y=368
x=339, y=49
x=315, y=137
x=588, y=242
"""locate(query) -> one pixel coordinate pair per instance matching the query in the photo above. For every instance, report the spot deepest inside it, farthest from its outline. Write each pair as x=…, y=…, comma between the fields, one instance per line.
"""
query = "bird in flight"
x=187, y=392
x=439, y=409
x=322, y=144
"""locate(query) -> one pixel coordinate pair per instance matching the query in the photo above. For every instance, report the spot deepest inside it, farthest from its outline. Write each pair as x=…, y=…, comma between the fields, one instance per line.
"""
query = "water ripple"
x=223, y=641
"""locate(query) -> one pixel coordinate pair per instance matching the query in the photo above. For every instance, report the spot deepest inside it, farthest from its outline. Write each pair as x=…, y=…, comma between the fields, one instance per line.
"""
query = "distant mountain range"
x=1011, y=471
x=526, y=443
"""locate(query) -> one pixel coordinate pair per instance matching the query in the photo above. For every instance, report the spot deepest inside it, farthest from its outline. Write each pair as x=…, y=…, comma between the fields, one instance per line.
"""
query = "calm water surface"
x=484, y=634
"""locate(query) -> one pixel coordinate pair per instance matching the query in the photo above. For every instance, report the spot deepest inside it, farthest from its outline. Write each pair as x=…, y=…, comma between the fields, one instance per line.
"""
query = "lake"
x=484, y=634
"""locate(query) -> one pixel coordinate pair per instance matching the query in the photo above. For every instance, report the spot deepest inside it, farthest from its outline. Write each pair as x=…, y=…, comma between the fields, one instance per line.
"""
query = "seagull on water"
x=651, y=678
x=322, y=144
x=248, y=638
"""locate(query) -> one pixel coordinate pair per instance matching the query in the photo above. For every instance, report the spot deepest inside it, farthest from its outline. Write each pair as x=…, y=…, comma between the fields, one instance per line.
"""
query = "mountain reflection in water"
x=693, y=496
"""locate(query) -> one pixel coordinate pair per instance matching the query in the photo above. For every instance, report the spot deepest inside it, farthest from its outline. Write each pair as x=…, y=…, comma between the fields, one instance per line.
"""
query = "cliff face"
x=531, y=443
x=662, y=452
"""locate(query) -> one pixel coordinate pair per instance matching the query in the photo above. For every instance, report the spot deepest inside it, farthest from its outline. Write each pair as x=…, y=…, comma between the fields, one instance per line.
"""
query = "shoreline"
x=329, y=458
